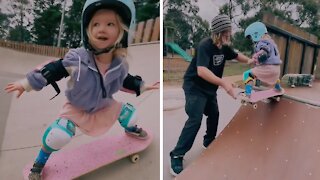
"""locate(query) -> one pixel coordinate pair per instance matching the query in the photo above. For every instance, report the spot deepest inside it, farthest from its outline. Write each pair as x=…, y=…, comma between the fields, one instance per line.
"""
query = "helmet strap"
x=98, y=52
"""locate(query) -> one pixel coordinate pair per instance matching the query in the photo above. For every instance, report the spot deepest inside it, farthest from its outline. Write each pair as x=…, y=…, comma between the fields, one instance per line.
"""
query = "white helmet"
x=125, y=9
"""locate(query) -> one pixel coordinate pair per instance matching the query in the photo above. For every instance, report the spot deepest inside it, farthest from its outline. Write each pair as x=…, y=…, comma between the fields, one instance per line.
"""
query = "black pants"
x=195, y=107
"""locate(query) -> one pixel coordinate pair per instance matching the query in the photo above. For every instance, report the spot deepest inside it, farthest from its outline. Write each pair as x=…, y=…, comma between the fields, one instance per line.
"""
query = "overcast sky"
x=210, y=8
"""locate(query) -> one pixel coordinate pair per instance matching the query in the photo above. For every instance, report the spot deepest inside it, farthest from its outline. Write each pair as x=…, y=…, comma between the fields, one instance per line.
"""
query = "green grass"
x=235, y=68
x=173, y=76
x=231, y=69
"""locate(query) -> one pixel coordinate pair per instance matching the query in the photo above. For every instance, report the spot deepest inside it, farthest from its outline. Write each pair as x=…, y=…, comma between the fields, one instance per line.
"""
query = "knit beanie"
x=220, y=23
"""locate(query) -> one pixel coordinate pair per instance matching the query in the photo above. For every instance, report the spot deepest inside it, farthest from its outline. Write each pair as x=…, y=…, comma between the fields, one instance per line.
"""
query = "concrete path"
x=174, y=118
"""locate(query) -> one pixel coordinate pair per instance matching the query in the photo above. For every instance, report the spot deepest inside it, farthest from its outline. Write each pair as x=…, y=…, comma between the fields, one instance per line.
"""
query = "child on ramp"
x=266, y=57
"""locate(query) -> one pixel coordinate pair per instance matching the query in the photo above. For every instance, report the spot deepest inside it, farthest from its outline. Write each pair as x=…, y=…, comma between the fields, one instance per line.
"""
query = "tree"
x=15, y=34
x=301, y=13
x=186, y=6
x=178, y=20
x=147, y=9
x=4, y=25
x=199, y=30
x=46, y=22
x=182, y=16
x=72, y=32
x=19, y=18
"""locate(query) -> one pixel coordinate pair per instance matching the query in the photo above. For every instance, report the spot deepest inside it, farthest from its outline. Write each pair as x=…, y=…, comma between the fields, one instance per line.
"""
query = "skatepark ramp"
x=279, y=140
x=175, y=47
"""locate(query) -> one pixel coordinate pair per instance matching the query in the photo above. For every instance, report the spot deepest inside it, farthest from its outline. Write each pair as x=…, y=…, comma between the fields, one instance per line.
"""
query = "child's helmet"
x=255, y=31
x=125, y=9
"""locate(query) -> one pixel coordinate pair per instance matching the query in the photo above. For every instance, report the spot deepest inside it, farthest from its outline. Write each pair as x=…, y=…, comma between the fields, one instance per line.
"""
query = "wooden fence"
x=298, y=49
x=35, y=49
x=148, y=31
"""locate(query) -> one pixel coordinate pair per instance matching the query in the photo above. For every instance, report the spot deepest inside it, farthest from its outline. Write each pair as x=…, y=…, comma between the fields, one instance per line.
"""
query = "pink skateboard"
x=260, y=95
x=73, y=163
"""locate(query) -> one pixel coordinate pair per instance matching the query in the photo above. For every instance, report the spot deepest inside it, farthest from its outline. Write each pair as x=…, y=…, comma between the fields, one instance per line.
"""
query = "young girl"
x=97, y=71
x=266, y=58
x=201, y=81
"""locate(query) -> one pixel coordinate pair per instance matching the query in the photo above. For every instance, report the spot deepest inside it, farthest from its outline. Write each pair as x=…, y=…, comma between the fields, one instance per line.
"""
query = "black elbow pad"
x=133, y=83
x=54, y=71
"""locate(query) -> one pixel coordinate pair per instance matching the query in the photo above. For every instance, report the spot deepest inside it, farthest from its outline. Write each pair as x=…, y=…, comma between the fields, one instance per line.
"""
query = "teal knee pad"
x=127, y=117
x=58, y=134
x=247, y=76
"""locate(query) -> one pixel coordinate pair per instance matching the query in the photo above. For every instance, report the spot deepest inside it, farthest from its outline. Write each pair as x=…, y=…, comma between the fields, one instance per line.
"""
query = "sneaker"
x=35, y=172
x=176, y=165
x=248, y=89
x=137, y=132
x=277, y=87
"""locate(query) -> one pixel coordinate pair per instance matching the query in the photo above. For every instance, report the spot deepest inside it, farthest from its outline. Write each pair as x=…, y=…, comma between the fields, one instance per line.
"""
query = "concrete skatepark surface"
x=174, y=118
x=276, y=141
x=24, y=120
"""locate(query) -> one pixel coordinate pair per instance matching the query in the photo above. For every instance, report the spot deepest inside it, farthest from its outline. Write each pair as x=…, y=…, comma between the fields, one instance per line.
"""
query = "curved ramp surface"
x=275, y=142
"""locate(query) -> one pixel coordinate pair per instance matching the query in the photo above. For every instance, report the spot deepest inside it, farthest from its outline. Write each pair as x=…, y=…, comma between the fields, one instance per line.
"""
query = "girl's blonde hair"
x=117, y=51
x=266, y=36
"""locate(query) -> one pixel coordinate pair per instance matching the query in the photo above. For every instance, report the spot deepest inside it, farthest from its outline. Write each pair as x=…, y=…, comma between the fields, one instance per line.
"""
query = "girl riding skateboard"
x=97, y=71
x=266, y=58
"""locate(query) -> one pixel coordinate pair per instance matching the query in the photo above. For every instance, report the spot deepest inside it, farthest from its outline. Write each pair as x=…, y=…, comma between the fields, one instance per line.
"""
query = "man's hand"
x=229, y=88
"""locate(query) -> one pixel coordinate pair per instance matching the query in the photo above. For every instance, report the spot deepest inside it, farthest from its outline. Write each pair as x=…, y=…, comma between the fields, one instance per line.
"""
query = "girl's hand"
x=15, y=86
x=152, y=87
x=251, y=61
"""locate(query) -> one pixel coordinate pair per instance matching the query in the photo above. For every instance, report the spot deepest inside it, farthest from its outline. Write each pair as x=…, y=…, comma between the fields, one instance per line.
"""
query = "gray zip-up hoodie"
x=84, y=89
x=272, y=50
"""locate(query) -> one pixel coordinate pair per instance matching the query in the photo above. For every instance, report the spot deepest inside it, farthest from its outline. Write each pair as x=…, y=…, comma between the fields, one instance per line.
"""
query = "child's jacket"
x=271, y=48
x=84, y=89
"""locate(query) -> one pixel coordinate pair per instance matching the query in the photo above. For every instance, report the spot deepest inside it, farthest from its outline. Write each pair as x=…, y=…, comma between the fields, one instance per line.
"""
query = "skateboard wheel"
x=310, y=85
x=293, y=86
x=135, y=158
x=255, y=106
x=278, y=99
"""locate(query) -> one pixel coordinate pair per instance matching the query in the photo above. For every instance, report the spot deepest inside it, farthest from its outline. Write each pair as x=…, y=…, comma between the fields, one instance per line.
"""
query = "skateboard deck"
x=257, y=96
x=293, y=80
x=73, y=163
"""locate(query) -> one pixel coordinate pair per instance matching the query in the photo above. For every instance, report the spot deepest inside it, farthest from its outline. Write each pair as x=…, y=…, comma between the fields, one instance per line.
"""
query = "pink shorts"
x=268, y=74
x=92, y=124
